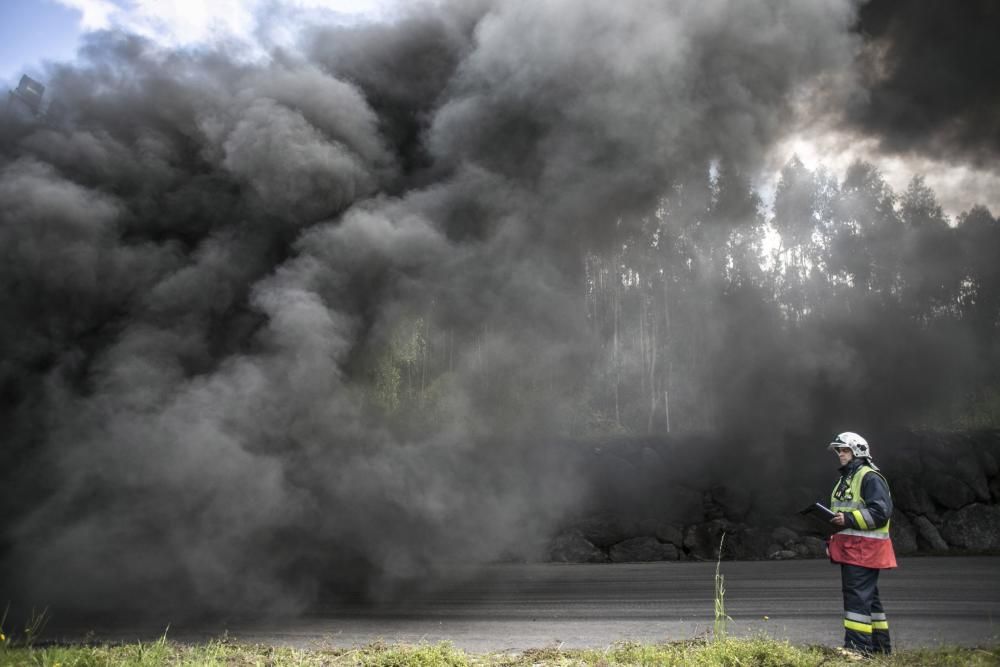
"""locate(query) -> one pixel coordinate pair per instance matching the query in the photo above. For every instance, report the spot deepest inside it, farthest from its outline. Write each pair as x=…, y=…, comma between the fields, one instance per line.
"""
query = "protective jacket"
x=862, y=494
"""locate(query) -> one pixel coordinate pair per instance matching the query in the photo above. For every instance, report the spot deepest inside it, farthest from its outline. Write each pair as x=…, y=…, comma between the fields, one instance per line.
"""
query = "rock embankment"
x=667, y=501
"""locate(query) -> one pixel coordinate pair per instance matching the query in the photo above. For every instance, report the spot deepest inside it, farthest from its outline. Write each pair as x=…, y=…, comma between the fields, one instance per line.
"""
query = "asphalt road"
x=929, y=601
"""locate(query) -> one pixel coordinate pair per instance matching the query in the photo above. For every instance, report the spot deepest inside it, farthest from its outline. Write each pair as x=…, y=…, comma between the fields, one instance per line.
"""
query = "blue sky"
x=32, y=31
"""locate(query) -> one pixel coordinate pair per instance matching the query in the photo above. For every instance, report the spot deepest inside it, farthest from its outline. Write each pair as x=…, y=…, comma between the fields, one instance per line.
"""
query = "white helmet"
x=857, y=444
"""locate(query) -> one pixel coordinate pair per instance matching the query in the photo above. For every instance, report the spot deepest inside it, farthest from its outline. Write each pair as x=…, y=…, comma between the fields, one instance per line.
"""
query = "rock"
x=603, y=530
x=572, y=547
x=746, y=544
x=649, y=455
x=904, y=535
x=710, y=507
x=815, y=547
x=949, y=491
x=995, y=489
x=669, y=533
x=989, y=464
x=803, y=525
x=702, y=540
x=906, y=464
x=796, y=497
x=909, y=495
x=926, y=530
x=734, y=501
x=801, y=550
x=970, y=471
x=783, y=554
x=930, y=459
x=651, y=460
x=685, y=505
x=643, y=550
x=646, y=527
x=783, y=535
x=976, y=528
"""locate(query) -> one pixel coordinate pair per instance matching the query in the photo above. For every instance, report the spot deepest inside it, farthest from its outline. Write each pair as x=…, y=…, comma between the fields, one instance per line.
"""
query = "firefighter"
x=862, y=546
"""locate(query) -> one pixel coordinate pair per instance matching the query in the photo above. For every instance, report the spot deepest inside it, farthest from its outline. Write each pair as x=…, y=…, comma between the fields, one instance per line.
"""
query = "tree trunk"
x=668, y=343
x=615, y=351
x=423, y=355
x=652, y=374
x=666, y=396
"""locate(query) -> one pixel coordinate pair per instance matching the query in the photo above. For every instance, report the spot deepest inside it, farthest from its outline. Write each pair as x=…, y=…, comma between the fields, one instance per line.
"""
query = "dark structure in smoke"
x=221, y=278
x=930, y=72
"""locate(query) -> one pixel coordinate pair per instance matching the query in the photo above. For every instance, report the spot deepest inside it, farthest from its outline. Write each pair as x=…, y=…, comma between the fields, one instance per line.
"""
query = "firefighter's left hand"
x=838, y=520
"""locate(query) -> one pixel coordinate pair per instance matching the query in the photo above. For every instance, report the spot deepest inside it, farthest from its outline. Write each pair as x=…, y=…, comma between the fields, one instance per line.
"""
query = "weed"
x=3, y=620
x=721, y=624
x=33, y=629
x=35, y=626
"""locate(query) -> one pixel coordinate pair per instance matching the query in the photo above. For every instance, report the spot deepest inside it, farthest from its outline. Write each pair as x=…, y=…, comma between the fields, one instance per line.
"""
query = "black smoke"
x=206, y=260
x=929, y=71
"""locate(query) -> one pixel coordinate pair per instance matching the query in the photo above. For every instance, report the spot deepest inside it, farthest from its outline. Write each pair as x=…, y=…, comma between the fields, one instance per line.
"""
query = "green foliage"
x=396, y=363
x=980, y=410
x=437, y=655
x=385, y=389
x=967, y=412
x=756, y=652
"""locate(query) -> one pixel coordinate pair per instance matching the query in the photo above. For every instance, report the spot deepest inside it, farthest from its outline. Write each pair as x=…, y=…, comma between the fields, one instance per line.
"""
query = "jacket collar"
x=851, y=467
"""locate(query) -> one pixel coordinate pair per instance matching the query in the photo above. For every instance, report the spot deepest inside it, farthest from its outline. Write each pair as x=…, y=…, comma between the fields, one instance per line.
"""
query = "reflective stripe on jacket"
x=867, y=507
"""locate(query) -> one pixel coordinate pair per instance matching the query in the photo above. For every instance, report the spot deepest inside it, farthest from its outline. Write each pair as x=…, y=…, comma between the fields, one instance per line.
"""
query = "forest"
x=843, y=300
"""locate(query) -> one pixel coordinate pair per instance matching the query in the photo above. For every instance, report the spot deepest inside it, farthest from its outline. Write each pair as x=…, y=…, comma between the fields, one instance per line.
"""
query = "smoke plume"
x=930, y=77
x=207, y=260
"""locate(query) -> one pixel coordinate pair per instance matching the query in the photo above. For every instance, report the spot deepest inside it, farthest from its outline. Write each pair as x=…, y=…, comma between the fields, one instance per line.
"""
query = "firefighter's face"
x=844, y=454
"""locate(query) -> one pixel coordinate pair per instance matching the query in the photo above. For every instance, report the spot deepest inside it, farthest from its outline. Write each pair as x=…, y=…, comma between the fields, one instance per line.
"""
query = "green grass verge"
x=735, y=653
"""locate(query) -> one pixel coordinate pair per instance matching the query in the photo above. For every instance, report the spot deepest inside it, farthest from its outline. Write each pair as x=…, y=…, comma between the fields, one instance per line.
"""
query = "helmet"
x=857, y=444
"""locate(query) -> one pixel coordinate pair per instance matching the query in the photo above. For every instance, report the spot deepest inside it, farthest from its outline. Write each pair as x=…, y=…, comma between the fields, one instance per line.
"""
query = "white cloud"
x=187, y=23
x=957, y=186
x=94, y=14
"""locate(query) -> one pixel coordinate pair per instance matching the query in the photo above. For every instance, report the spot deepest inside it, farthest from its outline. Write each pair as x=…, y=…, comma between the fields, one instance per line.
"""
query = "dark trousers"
x=865, y=626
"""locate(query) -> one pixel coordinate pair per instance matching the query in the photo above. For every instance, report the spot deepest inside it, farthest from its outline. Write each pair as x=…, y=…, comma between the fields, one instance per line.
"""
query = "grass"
x=733, y=652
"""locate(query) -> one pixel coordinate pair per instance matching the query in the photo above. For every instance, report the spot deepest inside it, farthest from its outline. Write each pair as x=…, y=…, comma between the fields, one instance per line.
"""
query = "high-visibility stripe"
x=878, y=615
x=859, y=627
x=847, y=505
x=873, y=534
x=860, y=519
x=869, y=519
x=854, y=616
x=880, y=625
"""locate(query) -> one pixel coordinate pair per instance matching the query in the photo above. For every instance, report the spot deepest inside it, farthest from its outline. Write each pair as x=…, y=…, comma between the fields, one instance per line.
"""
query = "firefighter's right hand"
x=838, y=520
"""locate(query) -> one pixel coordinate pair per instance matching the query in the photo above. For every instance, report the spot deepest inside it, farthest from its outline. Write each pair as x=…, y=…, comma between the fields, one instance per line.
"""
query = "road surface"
x=509, y=607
